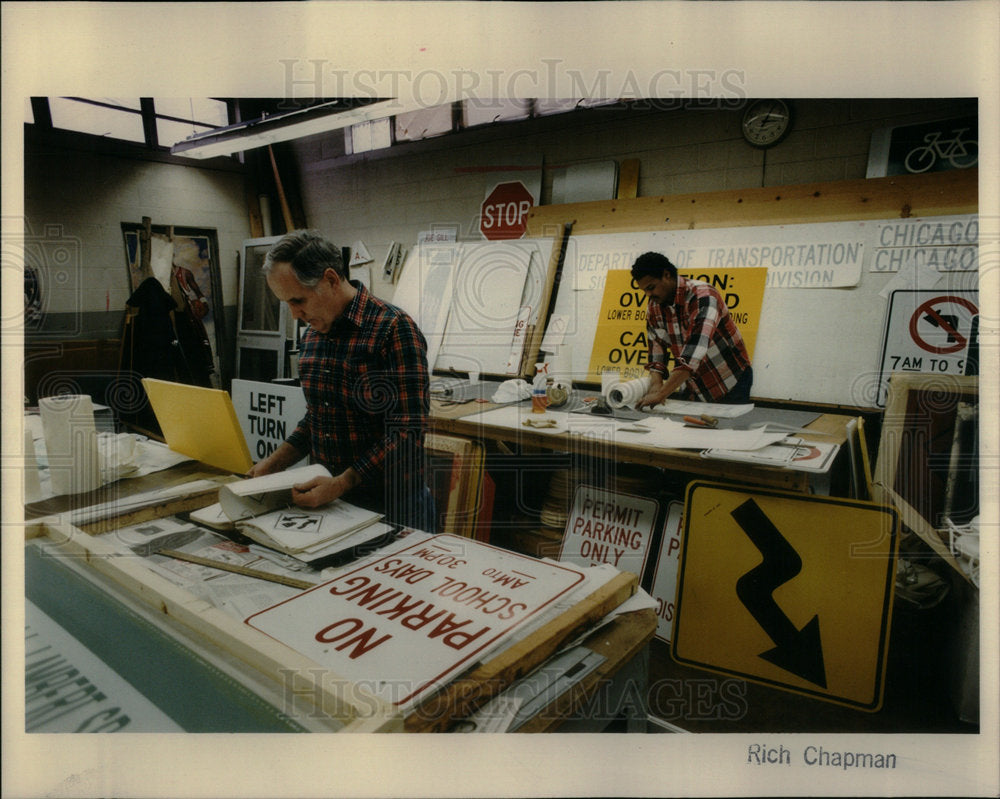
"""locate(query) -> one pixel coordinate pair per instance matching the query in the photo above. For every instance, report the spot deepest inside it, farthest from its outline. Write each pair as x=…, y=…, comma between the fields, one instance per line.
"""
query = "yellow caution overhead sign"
x=789, y=590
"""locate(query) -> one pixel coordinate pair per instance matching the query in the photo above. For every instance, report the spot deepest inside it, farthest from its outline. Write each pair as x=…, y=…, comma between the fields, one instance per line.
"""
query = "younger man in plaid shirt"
x=363, y=369
x=690, y=319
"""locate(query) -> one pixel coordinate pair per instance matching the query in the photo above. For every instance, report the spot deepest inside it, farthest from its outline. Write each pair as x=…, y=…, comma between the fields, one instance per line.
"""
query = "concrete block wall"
x=78, y=197
x=75, y=201
x=387, y=196
x=74, y=204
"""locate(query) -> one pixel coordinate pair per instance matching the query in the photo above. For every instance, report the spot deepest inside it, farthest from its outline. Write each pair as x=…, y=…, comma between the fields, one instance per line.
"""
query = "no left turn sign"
x=942, y=324
x=928, y=332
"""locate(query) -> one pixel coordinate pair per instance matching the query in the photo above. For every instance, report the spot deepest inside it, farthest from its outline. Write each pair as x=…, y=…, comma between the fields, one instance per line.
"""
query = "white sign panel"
x=944, y=244
x=608, y=527
x=268, y=413
x=67, y=688
x=665, y=577
x=822, y=255
x=404, y=624
x=928, y=332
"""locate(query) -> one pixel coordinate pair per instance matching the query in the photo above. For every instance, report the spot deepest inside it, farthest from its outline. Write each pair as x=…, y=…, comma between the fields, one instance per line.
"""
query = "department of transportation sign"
x=793, y=591
x=404, y=624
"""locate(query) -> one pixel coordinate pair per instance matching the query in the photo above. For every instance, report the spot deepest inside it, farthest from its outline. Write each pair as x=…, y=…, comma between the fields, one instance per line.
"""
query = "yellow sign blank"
x=764, y=571
x=199, y=422
x=620, y=338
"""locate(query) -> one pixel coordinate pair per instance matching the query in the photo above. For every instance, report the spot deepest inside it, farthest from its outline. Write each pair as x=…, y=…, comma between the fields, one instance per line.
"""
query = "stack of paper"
x=262, y=510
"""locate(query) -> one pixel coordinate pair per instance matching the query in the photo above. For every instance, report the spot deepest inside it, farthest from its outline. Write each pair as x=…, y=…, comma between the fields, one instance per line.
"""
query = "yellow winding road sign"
x=793, y=591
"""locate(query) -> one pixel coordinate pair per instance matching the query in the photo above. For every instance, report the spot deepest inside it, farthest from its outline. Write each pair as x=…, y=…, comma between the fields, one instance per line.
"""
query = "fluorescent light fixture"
x=285, y=127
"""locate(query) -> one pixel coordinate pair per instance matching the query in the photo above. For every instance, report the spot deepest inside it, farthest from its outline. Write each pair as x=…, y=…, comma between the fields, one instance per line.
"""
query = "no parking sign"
x=928, y=332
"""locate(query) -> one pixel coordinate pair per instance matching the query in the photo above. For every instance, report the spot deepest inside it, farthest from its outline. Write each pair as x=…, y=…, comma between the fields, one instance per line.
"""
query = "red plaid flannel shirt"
x=700, y=334
x=366, y=388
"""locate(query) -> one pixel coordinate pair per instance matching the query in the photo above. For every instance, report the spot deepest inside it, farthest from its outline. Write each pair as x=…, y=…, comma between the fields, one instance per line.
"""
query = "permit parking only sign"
x=609, y=527
x=402, y=625
x=929, y=332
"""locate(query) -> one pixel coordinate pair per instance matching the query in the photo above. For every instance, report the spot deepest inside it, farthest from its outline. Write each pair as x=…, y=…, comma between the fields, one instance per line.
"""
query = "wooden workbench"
x=452, y=418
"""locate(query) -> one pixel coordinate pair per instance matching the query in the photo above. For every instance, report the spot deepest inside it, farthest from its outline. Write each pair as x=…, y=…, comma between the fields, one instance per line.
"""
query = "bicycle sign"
x=959, y=152
x=935, y=146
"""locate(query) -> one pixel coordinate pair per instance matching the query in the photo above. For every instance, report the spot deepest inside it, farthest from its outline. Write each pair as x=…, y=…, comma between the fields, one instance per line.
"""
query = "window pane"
x=97, y=120
x=483, y=112
x=422, y=124
x=546, y=107
x=198, y=109
x=261, y=309
x=367, y=136
x=168, y=132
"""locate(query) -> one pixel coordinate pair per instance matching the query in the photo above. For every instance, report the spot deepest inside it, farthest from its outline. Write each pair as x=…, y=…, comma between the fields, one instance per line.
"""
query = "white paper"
x=146, y=538
x=794, y=454
x=694, y=408
x=424, y=290
x=71, y=443
x=654, y=431
x=304, y=530
x=32, y=483
x=259, y=495
x=555, y=332
x=514, y=417
x=212, y=516
x=487, y=296
x=666, y=433
x=93, y=513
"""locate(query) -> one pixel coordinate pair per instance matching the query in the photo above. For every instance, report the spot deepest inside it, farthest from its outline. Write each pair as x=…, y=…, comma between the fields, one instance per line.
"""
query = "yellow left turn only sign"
x=790, y=590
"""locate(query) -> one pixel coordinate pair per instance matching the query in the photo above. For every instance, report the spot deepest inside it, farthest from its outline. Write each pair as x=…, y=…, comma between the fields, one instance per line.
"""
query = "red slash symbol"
x=946, y=323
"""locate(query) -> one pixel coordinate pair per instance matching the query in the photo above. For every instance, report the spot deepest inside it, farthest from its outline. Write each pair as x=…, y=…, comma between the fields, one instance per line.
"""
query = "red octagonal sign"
x=504, y=214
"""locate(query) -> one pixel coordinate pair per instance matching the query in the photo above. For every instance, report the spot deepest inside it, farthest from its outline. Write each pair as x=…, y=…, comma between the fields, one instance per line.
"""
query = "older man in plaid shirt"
x=363, y=369
x=690, y=320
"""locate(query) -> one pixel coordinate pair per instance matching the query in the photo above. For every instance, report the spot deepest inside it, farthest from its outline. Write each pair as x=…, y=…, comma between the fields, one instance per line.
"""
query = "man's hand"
x=322, y=490
x=259, y=469
x=660, y=389
x=279, y=460
x=653, y=398
x=656, y=386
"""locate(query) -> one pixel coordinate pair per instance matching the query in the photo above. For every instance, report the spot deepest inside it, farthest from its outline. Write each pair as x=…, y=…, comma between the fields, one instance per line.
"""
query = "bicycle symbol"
x=960, y=154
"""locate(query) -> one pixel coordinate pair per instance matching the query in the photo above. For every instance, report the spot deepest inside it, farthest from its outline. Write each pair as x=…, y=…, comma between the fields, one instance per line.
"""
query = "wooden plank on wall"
x=537, y=331
x=628, y=179
x=899, y=196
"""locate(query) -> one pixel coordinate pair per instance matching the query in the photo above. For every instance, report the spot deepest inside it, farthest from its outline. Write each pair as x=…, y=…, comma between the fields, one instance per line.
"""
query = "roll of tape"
x=558, y=394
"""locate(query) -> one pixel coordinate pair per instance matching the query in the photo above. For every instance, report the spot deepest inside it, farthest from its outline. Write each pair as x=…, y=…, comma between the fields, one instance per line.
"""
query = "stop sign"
x=504, y=214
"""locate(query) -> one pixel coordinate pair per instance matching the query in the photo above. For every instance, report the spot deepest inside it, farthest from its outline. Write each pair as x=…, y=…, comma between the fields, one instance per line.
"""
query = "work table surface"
x=454, y=418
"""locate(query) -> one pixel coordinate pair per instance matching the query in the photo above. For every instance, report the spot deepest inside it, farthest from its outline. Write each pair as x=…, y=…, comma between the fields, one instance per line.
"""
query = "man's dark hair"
x=309, y=255
x=652, y=264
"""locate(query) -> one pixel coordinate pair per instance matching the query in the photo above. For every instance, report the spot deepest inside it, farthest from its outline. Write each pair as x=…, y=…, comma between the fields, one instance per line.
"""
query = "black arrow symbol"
x=947, y=322
x=797, y=651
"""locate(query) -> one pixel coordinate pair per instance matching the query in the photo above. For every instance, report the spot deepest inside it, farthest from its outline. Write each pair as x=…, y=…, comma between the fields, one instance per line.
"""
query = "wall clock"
x=766, y=122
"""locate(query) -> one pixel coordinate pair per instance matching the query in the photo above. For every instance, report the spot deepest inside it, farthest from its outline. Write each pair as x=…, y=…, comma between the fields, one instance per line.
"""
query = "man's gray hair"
x=309, y=255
